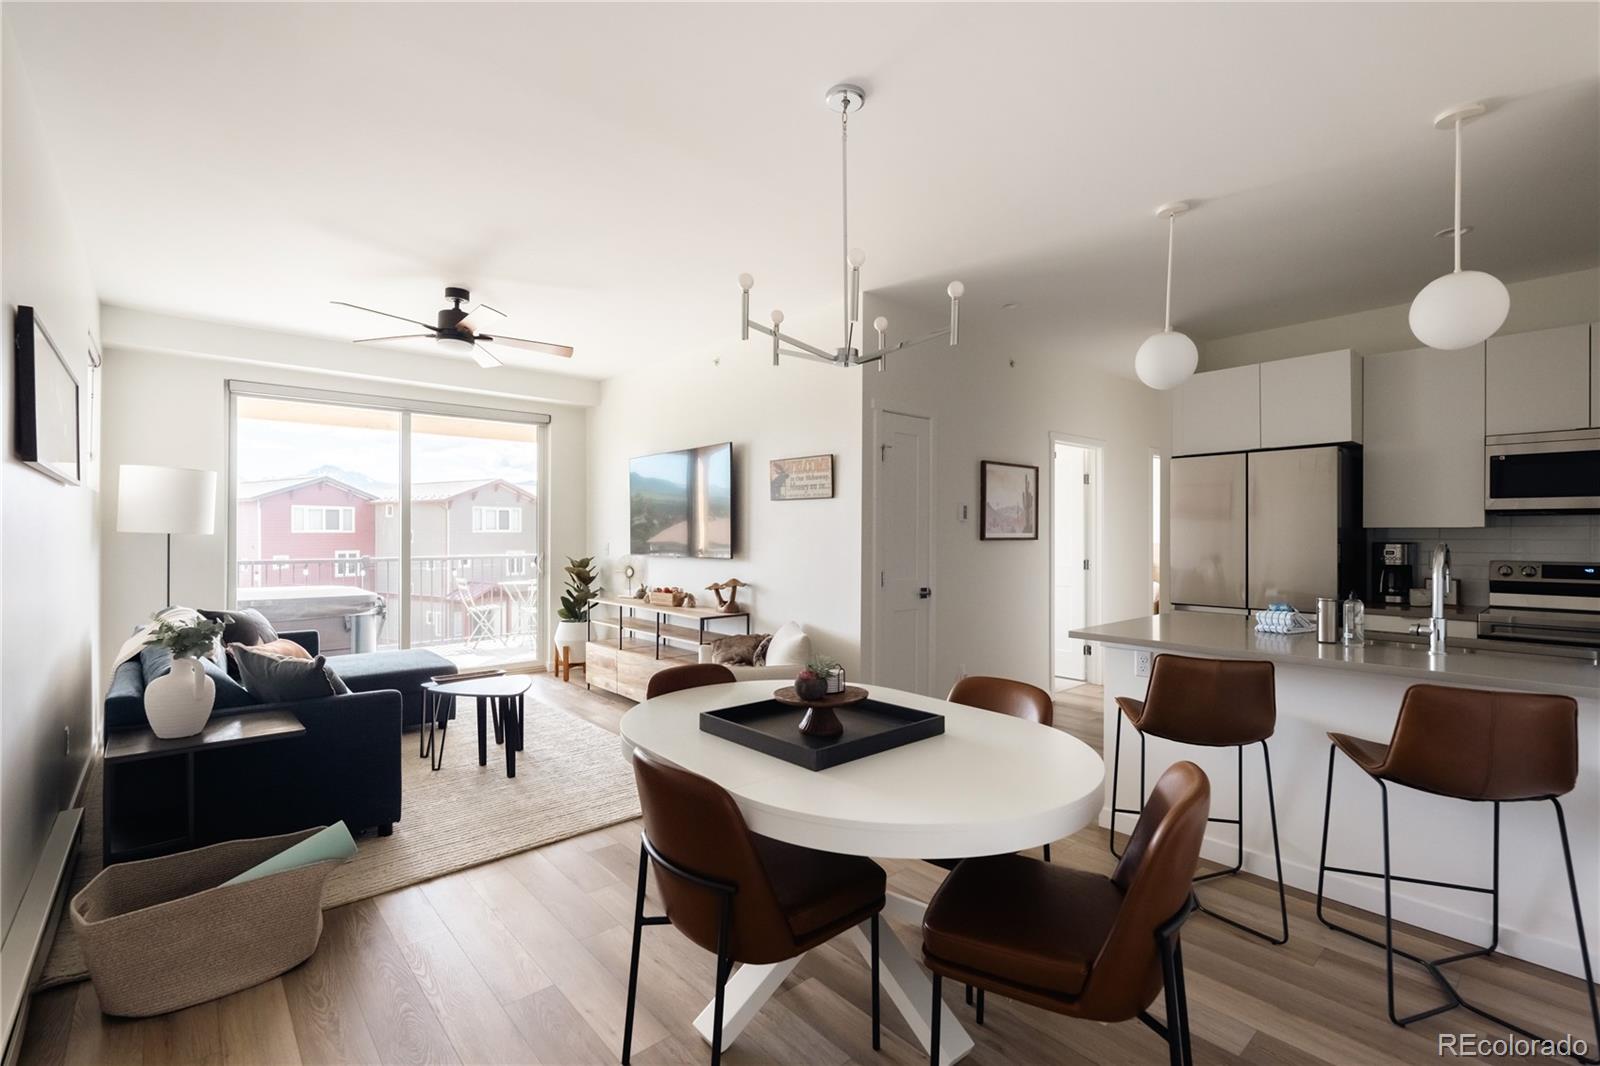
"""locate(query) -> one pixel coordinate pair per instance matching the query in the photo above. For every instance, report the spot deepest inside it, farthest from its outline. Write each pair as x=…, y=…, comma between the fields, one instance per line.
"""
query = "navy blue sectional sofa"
x=346, y=766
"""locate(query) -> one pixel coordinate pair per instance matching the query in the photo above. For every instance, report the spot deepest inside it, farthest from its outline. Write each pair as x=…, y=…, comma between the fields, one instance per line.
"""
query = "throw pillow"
x=248, y=626
x=790, y=646
x=760, y=657
x=275, y=678
x=282, y=646
x=738, y=650
x=156, y=661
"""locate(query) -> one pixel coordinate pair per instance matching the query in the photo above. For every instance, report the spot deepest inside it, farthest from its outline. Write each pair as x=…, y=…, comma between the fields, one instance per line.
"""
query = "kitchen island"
x=1358, y=690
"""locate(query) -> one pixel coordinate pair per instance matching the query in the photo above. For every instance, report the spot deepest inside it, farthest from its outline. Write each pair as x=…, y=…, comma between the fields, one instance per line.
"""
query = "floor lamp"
x=166, y=499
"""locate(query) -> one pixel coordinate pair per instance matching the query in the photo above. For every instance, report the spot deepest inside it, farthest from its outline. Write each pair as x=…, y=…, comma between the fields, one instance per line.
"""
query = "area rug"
x=571, y=779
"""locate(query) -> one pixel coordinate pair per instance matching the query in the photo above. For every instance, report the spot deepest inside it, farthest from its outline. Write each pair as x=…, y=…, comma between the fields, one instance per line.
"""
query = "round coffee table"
x=503, y=695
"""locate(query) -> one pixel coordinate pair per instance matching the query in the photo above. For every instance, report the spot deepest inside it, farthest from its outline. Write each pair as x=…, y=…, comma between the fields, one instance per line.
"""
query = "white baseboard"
x=33, y=928
x=1367, y=894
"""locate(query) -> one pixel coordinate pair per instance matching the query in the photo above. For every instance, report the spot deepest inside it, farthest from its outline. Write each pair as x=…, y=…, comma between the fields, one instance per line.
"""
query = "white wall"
x=801, y=555
x=991, y=398
x=1557, y=300
x=170, y=409
x=49, y=551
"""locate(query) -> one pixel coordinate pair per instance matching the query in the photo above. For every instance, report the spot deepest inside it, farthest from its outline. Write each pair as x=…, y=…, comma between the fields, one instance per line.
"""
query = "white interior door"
x=1071, y=547
x=902, y=639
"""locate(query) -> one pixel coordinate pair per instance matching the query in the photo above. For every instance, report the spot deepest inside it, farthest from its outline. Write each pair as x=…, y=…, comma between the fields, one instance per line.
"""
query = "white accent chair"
x=789, y=651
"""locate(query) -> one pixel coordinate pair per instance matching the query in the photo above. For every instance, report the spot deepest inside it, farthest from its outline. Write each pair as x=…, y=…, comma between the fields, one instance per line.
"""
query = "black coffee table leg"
x=442, y=707
x=522, y=735
x=483, y=731
x=425, y=727
x=499, y=722
x=512, y=740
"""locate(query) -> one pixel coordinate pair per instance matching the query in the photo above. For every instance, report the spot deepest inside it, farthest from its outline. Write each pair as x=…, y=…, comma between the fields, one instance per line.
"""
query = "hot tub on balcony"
x=346, y=619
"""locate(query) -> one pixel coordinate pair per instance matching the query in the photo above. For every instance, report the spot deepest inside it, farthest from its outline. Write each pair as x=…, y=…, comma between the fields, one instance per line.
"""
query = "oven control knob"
x=1504, y=571
x=1528, y=571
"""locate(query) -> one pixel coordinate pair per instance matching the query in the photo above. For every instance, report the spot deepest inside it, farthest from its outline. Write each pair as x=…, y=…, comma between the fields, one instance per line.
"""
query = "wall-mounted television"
x=681, y=503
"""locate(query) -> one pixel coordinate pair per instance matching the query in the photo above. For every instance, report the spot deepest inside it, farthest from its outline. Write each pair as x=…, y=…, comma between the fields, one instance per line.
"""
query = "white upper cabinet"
x=1312, y=399
x=1218, y=411
x=1539, y=381
x=1423, y=418
x=1594, y=374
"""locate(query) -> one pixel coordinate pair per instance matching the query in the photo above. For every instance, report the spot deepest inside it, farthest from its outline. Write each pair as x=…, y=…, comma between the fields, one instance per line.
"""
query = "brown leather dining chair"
x=1211, y=703
x=1004, y=696
x=1479, y=746
x=744, y=897
x=690, y=675
x=1077, y=943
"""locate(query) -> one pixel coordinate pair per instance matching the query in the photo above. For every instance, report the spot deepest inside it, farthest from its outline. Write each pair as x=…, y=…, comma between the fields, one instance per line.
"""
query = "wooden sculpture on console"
x=731, y=587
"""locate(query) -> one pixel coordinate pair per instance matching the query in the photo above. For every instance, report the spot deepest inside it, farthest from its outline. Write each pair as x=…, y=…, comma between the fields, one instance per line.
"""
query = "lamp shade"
x=166, y=499
x=1459, y=310
x=1166, y=360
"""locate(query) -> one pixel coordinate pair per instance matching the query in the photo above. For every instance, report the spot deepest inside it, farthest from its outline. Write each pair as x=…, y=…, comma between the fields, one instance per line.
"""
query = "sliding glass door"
x=385, y=523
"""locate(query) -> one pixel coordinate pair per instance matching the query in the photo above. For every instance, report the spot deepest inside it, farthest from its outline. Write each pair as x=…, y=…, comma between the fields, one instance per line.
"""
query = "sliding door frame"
x=235, y=388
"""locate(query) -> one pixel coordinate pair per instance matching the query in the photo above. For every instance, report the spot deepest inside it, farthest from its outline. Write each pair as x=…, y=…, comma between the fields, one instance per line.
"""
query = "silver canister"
x=1328, y=619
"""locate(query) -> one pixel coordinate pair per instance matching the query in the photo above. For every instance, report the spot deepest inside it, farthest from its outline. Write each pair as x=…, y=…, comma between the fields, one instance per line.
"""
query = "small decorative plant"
x=187, y=641
x=581, y=590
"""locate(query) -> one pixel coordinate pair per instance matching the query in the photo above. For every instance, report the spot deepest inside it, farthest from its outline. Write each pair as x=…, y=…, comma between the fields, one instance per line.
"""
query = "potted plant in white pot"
x=572, y=631
x=178, y=703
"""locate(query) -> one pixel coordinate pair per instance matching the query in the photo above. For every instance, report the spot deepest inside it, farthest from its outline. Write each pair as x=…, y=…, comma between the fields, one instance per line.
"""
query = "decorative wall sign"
x=48, y=433
x=809, y=477
x=1009, y=501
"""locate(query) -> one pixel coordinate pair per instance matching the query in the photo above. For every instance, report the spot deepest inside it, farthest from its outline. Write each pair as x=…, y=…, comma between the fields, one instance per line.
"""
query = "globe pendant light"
x=1464, y=307
x=1167, y=359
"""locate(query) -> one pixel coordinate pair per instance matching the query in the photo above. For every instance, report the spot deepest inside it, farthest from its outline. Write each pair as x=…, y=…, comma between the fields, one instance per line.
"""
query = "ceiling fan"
x=458, y=331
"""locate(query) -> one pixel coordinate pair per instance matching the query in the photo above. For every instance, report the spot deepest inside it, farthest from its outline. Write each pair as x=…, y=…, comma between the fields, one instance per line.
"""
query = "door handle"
x=924, y=592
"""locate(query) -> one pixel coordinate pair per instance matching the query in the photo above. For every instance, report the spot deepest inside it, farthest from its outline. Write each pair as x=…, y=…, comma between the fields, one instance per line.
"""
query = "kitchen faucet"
x=1441, y=584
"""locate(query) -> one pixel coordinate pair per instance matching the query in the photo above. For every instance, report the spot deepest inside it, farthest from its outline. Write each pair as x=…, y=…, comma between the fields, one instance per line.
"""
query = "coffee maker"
x=1393, y=569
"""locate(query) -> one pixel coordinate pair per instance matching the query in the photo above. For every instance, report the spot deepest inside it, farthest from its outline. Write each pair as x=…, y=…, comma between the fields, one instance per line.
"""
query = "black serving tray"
x=772, y=728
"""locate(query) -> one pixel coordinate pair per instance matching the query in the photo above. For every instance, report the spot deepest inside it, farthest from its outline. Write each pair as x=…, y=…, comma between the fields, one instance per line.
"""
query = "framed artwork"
x=1009, y=500
x=808, y=477
x=48, y=433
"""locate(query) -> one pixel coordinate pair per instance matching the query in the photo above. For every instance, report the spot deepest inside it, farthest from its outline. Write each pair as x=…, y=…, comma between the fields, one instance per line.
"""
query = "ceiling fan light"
x=1166, y=360
x=1459, y=310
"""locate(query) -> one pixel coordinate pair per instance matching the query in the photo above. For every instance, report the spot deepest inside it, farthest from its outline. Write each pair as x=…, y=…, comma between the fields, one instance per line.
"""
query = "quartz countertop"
x=1235, y=637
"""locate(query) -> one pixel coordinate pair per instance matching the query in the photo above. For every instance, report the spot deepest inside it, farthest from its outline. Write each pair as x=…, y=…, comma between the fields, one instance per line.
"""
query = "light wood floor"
x=525, y=960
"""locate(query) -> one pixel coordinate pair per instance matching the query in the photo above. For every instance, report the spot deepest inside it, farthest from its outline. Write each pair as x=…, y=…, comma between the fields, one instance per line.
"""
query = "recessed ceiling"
x=604, y=173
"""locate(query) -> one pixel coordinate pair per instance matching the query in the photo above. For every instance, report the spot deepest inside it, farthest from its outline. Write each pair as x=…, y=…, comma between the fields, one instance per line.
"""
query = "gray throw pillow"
x=248, y=626
x=274, y=678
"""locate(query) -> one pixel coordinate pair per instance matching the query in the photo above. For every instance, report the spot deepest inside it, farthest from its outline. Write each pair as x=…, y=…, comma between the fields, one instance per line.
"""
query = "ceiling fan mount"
x=455, y=328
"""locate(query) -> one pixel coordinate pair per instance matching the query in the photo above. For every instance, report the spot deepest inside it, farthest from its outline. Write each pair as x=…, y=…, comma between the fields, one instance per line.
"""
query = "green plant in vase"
x=581, y=591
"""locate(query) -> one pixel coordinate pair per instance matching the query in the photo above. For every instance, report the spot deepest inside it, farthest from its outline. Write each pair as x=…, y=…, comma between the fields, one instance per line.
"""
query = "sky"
x=270, y=449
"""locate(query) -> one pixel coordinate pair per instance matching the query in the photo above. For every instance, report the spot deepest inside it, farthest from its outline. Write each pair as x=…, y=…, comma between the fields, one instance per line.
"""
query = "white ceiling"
x=604, y=173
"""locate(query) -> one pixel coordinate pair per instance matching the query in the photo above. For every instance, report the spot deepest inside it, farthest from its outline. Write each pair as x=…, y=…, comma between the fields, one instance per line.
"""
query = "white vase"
x=572, y=635
x=178, y=703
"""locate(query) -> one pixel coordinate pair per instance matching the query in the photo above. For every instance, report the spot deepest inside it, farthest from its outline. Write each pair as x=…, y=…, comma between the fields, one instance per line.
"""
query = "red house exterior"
x=304, y=519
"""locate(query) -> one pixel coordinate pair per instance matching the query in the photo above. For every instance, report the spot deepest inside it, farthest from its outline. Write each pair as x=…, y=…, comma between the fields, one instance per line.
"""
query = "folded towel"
x=333, y=842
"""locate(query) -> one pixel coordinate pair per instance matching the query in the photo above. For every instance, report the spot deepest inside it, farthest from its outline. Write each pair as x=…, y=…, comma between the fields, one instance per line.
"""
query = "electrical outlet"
x=1141, y=664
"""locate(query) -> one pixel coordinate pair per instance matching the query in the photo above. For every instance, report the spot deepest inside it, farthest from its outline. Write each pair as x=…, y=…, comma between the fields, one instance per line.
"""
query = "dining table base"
x=902, y=977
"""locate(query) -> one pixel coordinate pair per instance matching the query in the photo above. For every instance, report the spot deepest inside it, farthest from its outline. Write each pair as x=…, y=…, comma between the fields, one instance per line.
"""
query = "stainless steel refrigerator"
x=1254, y=528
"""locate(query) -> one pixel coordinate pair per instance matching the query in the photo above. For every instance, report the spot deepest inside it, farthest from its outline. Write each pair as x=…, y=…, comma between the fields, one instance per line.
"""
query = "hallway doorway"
x=1074, y=550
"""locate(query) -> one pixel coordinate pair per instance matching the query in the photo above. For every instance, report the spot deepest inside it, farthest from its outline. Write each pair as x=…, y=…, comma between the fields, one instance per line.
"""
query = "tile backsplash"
x=1555, y=538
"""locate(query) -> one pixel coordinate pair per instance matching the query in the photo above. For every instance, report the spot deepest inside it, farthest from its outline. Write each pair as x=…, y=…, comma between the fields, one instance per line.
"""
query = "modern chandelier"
x=1463, y=307
x=844, y=99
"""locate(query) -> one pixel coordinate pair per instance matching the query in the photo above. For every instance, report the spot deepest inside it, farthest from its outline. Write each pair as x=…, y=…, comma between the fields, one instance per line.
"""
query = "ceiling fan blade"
x=563, y=350
x=484, y=357
x=401, y=337
x=385, y=314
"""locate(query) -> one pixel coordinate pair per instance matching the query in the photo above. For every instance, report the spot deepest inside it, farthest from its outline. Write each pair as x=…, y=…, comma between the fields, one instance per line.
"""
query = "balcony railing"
x=456, y=599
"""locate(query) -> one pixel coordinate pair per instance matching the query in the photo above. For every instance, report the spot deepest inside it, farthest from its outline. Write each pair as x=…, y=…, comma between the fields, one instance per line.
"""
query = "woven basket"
x=162, y=934
x=667, y=599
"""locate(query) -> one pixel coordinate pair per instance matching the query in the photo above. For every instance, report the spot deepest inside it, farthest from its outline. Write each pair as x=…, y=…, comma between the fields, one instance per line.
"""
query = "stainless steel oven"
x=1542, y=471
x=1543, y=603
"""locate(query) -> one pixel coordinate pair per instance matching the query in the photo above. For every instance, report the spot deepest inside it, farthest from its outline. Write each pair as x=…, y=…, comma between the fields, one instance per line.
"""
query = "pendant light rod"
x=1170, y=212
x=1458, y=196
x=1453, y=120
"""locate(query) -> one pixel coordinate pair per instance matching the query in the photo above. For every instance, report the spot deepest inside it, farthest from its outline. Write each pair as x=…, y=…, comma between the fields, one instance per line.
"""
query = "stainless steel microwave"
x=1542, y=471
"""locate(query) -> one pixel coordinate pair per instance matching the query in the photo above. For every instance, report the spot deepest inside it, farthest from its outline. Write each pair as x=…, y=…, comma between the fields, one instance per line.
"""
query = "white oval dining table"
x=989, y=784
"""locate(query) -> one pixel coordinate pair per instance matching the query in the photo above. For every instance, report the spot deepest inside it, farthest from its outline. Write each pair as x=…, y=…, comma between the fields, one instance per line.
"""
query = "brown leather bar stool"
x=1212, y=703
x=1077, y=943
x=1467, y=744
x=1005, y=696
x=747, y=898
x=690, y=675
